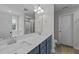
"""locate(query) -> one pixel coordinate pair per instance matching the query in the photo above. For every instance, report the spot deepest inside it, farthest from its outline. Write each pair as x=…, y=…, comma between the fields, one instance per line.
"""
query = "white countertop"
x=24, y=44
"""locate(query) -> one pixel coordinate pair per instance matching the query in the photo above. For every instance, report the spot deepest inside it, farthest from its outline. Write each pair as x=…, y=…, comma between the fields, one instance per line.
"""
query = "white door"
x=65, y=30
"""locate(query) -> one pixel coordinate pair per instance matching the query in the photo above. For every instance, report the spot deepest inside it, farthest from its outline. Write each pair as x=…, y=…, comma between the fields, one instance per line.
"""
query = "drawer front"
x=43, y=50
x=34, y=51
x=43, y=44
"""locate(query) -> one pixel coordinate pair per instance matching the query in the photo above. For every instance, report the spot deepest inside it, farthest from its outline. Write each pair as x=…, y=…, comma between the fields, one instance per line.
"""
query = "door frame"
x=72, y=25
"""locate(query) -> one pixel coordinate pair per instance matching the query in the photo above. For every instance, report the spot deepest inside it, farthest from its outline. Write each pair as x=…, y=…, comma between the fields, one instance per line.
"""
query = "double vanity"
x=28, y=44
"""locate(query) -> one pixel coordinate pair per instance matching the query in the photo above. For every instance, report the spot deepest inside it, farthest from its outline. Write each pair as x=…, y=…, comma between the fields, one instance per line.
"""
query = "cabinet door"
x=43, y=44
x=34, y=51
x=49, y=46
x=43, y=50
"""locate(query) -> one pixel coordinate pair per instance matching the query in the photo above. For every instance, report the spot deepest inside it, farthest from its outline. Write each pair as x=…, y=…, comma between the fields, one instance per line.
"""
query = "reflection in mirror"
x=29, y=21
x=28, y=25
x=14, y=25
x=14, y=22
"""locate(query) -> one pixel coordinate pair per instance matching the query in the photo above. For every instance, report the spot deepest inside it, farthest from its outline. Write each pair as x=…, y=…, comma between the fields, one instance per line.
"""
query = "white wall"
x=38, y=23
x=48, y=19
x=5, y=24
x=76, y=30
x=75, y=12
x=48, y=23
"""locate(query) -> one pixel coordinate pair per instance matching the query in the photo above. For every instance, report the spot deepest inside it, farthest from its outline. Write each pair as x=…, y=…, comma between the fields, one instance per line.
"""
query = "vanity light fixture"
x=38, y=9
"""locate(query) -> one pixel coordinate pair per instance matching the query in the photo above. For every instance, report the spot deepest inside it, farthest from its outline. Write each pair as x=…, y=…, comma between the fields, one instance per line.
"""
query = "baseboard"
x=65, y=45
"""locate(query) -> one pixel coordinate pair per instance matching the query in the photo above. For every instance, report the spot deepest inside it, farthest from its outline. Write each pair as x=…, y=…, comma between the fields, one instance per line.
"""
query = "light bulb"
x=42, y=10
x=9, y=11
x=39, y=8
x=35, y=10
x=38, y=12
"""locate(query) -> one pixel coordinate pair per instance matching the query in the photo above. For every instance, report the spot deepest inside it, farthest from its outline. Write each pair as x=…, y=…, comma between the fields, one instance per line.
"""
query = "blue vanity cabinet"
x=49, y=44
x=43, y=48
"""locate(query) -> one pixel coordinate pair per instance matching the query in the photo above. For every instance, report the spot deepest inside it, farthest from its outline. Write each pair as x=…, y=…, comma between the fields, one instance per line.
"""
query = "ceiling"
x=18, y=9
x=59, y=7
